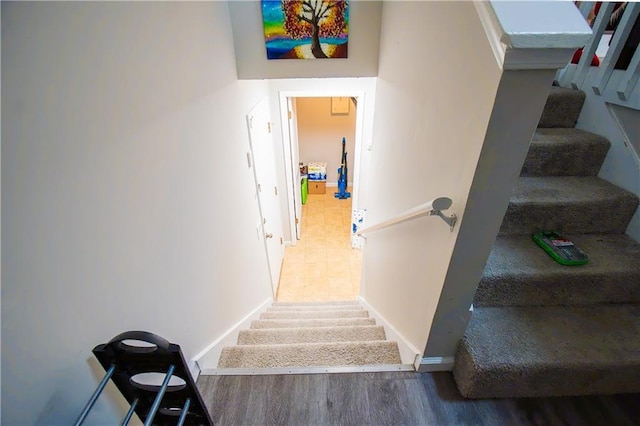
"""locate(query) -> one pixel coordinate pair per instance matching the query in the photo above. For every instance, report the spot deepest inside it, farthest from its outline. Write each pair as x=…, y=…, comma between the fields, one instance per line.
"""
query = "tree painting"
x=306, y=29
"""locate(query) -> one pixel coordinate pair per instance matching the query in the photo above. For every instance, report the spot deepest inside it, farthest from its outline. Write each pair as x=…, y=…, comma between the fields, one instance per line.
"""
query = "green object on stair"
x=304, y=185
x=562, y=250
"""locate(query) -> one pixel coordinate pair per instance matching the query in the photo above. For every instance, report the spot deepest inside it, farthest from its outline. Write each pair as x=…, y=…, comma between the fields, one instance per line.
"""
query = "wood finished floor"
x=322, y=266
x=399, y=398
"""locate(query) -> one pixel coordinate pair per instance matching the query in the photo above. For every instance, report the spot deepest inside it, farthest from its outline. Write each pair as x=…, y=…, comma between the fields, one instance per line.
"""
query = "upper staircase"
x=539, y=328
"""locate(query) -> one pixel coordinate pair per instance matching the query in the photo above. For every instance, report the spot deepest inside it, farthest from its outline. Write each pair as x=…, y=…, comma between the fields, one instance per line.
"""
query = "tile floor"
x=322, y=266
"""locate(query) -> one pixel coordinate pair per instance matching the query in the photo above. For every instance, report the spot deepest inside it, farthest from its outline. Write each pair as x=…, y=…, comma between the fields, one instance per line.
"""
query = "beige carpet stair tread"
x=323, y=335
x=333, y=303
x=294, y=308
x=310, y=355
x=311, y=335
x=315, y=314
x=327, y=322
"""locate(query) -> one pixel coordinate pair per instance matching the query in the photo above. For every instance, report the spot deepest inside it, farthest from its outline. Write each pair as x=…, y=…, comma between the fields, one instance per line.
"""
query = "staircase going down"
x=539, y=328
x=311, y=335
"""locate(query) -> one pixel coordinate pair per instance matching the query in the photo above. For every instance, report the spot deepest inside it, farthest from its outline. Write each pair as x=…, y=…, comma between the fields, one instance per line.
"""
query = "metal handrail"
x=430, y=208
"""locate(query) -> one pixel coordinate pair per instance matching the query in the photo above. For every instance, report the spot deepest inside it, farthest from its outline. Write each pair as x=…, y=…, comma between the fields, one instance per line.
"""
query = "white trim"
x=566, y=75
x=194, y=369
x=537, y=58
x=541, y=24
x=288, y=167
x=408, y=352
x=627, y=143
x=210, y=356
x=521, y=43
x=435, y=363
x=305, y=370
x=492, y=29
x=286, y=142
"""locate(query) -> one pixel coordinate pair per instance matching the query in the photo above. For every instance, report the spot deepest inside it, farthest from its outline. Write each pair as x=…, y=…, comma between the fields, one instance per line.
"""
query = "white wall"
x=433, y=103
x=366, y=87
x=127, y=200
x=320, y=135
x=0, y=230
x=251, y=54
x=621, y=166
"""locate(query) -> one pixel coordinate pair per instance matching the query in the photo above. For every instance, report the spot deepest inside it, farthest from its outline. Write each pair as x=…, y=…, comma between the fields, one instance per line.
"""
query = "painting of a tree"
x=306, y=28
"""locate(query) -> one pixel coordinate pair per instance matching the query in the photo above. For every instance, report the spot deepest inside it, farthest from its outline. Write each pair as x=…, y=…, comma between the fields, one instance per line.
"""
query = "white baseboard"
x=408, y=352
x=194, y=370
x=208, y=358
x=335, y=185
x=434, y=363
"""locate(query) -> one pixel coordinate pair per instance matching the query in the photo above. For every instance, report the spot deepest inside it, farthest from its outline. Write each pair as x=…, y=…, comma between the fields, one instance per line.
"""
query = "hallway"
x=322, y=266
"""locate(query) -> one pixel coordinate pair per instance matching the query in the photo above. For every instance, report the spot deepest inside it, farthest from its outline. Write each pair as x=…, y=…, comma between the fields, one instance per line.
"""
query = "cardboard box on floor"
x=317, y=186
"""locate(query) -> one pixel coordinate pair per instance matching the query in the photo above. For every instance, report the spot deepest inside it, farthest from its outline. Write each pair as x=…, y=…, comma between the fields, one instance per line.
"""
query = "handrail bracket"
x=450, y=220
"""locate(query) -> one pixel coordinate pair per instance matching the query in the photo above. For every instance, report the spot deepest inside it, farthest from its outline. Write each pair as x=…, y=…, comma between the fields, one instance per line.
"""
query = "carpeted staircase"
x=539, y=328
x=302, y=335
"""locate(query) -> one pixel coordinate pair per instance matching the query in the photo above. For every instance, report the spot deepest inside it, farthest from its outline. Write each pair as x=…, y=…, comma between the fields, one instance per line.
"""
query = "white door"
x=295, y=159
x=263, y=163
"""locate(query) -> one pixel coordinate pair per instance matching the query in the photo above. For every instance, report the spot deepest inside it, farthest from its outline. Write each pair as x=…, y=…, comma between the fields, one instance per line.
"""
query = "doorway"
x=320, y=264
x=291, y=148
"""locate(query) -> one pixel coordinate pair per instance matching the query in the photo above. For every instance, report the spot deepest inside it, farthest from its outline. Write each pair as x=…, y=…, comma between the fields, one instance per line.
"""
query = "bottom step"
x=377, y=368
x=277, y=336
x=550, y=351
x=310, y=355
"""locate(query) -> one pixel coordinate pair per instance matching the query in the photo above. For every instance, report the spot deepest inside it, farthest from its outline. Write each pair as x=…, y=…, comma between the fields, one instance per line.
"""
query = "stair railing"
x=615, y=90
x=430, y=208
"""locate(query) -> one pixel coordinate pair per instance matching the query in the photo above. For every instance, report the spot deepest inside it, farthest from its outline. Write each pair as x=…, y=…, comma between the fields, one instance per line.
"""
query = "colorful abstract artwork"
x=306, y=29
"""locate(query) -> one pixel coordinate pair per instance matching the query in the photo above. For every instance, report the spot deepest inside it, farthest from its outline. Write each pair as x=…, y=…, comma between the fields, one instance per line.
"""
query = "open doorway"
x=320, y=264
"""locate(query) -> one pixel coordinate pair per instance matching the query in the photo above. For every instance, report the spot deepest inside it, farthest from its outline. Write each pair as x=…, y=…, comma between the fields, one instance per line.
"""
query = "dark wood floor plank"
x=629, y=403
x=395, y=398
x=267, y=402
x=347, y=402
x=445, y=402
x=394, y=401
x=218, y=391
x=309, y=399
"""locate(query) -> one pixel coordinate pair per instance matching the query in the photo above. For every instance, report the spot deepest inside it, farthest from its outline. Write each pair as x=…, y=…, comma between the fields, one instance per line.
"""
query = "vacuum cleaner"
x=342, y=193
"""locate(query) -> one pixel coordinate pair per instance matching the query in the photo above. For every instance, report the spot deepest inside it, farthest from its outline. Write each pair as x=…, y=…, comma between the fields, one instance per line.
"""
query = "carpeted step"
x=293, y=308
x=568, y=204
x=550, y=351
x=328, y=322
x=562, y=108
x=311, y=335
x=565, y=152
x=310, y=355
x=360, y=313
x=519, y=273
x=332, y=303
